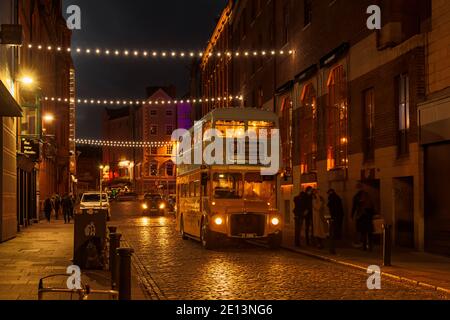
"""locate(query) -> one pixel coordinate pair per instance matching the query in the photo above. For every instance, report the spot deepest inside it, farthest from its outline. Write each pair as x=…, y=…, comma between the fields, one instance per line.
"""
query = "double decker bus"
x=222, y=201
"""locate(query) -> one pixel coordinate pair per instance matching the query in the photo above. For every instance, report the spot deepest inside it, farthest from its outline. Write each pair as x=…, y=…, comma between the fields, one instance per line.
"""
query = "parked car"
x=127, y=196
x=90, y=201
x=154, y=204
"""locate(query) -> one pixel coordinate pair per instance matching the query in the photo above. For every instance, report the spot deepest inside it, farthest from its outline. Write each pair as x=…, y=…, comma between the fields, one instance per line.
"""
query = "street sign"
x=31, y=148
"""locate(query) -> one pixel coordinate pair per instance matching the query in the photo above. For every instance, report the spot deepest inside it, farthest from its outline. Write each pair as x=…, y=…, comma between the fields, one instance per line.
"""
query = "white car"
x=91, y=201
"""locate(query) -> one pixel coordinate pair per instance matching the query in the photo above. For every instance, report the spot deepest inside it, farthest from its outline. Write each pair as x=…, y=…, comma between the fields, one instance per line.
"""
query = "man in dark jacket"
x=303, y=214
x=67, y=208
x=363, y=211
x=336, y=212
x=48, y=207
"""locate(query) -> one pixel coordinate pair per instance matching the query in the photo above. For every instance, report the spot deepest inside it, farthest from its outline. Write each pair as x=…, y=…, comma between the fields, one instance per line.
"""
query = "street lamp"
x=27, y=80
x=48, y=118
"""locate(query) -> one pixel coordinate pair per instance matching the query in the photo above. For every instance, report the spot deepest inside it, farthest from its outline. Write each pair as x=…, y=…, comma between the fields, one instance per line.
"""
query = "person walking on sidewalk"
x=57, y=205
x=363, y=211
x=48, y=207
x=320, y=215
x=336, y=212
x=300, y=212
x=67, y=208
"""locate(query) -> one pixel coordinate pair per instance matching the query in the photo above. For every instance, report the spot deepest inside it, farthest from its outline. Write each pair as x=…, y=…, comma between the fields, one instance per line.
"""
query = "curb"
x=359, y=267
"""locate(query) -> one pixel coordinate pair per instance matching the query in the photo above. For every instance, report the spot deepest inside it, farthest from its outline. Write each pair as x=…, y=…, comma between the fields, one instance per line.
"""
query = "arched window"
x=337, y=119
x=286, y=133
x=169, y=169
x=308, y=129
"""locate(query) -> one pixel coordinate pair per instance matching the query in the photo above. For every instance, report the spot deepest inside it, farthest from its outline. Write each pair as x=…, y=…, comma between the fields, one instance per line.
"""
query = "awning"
x=8, y=105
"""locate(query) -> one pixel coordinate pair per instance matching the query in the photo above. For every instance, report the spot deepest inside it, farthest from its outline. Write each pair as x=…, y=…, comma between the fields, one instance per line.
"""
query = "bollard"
x=125, y=273
x=114, y=243
x=387, y=245
x=332, y=240
x=112, y=229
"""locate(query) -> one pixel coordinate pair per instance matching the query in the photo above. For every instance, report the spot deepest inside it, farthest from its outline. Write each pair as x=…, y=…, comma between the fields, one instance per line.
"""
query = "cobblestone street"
x=170, y=268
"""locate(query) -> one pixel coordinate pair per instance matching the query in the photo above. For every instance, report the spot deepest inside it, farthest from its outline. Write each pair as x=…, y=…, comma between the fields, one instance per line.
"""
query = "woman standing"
x=320, y=214
x=48, y=207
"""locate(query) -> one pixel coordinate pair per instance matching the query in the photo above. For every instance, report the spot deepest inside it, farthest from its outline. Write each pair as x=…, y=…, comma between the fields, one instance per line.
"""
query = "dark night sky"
x=135, y=24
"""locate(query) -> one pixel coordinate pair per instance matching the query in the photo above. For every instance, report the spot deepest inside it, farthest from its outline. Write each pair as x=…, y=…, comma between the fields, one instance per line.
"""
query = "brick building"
x=145, y=169
x=10, y=112
x=347, y=99
x=434, y=134
x=54, y=76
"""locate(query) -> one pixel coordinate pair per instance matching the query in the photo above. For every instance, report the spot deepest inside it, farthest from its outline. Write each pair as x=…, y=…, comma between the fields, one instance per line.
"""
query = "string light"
x=123, y=144
x=126, y=102
x=157, y=53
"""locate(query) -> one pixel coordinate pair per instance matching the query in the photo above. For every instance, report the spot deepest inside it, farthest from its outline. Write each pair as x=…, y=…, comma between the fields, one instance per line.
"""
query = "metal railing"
x=83, y=293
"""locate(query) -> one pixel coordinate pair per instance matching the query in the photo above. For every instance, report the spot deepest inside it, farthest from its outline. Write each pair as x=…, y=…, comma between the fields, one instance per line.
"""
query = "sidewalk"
x=41, y=250
x=420, y=268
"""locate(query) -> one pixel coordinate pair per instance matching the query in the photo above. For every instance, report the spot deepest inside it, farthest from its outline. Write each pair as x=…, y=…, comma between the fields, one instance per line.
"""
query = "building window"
x=153, y=168
x=308, y=12
x=169, y=169
x=369, y=125
x=154, y=150
x=169, y=149
x=403, y=114
x=337, y=120
x=153, y=113
x=308, y=129
x=153, y=130
x=169, y=113
x=169, y=130
x=286, y=133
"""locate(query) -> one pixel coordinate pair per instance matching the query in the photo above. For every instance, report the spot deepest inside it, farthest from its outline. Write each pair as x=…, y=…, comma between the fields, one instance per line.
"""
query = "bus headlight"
x=162, y=206
x=218, y=221
x=275, y=221
x=145, y=206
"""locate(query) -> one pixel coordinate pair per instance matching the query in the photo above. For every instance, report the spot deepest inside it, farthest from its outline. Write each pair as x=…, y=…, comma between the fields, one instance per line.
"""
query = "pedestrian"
x=309, y=224
x=48, y=207
x=57, y=205
x=67, y=207
x=299, y=215
x=72, y=205
x=320, y=216
x=336, y=212
x=363, y=211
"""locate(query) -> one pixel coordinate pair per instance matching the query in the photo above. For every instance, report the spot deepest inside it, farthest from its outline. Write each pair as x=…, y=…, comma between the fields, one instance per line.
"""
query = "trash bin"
x=89, y=251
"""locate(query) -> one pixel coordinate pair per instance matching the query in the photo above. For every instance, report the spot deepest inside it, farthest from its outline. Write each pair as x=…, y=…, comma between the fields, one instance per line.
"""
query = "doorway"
x=403, y=189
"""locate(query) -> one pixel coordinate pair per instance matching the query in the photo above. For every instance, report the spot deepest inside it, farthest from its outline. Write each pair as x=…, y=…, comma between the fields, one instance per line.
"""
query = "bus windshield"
x=228, y=186
x=258, y=187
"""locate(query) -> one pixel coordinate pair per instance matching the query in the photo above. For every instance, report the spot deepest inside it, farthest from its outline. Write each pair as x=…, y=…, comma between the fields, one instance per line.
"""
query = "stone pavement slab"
x=41, y=250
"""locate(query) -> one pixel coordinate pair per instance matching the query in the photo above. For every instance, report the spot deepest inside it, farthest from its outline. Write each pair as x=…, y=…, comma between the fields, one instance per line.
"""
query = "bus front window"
x=227, y=186
x=258, y=187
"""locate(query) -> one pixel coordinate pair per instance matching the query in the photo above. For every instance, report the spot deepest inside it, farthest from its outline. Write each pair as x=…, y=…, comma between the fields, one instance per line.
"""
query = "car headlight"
x=162, y=206
x=218, y=221
x=145, y=206
x=275, y=221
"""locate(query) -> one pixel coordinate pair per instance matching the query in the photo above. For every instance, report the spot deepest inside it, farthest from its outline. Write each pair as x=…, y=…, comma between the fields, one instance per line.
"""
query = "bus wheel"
x=183, y=234
x=275, y=240
x=207, y=238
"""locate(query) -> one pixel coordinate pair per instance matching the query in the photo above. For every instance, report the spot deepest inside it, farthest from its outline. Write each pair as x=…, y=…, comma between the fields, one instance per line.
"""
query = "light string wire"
x=124, y=102
x=156, y=53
